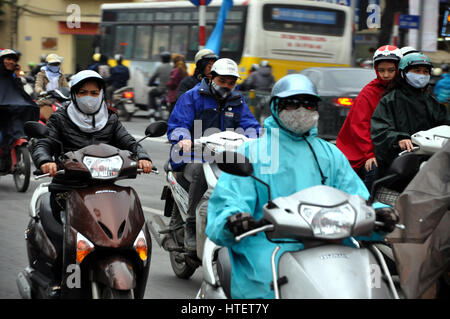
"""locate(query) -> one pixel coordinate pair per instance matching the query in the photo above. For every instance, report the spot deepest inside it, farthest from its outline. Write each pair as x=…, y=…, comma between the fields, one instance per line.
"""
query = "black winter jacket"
x=64, y=130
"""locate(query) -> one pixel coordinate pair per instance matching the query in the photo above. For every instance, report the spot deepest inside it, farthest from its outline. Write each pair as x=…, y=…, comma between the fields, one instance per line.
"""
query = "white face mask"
x=89, y=104
x=417, y=80
x=299, y=120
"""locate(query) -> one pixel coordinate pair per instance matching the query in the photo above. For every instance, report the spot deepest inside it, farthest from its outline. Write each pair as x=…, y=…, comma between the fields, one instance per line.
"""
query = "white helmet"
x=205, y=54
x=408, y=50
x=83, y=76
x=225, y=66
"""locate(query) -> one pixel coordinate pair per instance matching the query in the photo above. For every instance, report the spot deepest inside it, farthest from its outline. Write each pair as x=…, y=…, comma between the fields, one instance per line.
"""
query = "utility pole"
x=14, y=25
x=421, y=26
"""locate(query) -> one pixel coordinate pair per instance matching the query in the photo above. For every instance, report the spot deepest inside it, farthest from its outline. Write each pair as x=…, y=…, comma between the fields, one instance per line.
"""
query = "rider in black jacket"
x=85, y=121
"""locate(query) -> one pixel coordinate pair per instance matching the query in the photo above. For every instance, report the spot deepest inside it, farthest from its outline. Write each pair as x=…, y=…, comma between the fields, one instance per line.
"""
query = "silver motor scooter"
x=171, y=236
x=317, y=216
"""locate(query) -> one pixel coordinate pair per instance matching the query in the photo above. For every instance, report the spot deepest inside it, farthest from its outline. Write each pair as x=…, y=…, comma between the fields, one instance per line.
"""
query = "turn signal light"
x=344, y=101
x=128, y=95
x=140, y=244
x=84, y=247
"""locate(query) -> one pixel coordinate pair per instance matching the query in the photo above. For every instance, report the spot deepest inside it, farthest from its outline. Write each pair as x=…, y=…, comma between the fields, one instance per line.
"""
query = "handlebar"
x=253, y=232
x=39, y=174
x=415, y=148
x=399, y=226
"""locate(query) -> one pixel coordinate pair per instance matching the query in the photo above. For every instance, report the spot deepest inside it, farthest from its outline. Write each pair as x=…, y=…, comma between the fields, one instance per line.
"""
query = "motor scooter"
x=123, y=101
x=50, y=101
x=319, y=217
x=98, y=245
x=16, y=161
x=171, y=236
x=426, y=144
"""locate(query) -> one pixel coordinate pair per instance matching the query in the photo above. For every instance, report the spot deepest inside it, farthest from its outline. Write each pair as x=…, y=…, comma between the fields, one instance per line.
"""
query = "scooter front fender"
x=115, y=272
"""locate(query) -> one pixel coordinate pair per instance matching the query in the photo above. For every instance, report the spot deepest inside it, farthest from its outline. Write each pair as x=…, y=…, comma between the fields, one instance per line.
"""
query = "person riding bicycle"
x=289, y=157
x=209, y=105
x=16, y=106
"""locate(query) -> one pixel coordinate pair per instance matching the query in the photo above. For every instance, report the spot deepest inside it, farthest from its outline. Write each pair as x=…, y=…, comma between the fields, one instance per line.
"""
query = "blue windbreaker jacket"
x=198, y=113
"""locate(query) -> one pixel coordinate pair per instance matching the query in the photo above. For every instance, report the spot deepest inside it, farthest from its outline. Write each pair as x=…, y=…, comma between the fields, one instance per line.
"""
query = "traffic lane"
x=162, y=282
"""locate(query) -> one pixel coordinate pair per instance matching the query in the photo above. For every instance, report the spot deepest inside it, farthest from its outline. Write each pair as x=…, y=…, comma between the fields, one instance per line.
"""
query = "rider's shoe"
x=190, y=240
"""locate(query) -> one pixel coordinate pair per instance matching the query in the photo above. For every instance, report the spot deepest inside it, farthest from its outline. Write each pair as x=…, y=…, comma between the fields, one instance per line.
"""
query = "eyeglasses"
x=296, y=103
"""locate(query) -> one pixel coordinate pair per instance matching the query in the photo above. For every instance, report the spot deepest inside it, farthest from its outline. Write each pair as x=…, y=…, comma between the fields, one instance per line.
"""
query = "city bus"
x=290, y=34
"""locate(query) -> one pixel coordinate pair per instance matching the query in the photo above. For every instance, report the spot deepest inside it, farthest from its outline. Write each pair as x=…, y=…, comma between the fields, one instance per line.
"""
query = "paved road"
x=14, y=218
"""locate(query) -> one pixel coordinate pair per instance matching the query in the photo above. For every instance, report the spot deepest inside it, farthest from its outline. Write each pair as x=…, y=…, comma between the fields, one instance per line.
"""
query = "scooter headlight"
x=103, y=168
x=329, y=223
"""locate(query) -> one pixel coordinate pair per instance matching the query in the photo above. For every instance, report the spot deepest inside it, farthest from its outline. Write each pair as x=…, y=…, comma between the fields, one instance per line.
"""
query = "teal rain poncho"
x=288, y=166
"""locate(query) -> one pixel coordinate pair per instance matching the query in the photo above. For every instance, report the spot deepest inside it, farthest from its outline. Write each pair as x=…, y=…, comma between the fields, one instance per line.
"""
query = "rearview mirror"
x=234, y=163
x=156, y=129
x=35, y=129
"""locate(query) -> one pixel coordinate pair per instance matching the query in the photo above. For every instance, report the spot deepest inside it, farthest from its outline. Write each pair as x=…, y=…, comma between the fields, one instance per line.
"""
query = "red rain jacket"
x=354, y=137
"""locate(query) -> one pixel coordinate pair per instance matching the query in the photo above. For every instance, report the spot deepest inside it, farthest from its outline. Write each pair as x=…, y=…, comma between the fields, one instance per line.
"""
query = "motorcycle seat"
x=52, y=227
x=224, y=270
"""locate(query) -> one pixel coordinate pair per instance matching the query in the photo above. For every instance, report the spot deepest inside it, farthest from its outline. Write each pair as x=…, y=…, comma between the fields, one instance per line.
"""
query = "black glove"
x=389, y=217
x=240, y=223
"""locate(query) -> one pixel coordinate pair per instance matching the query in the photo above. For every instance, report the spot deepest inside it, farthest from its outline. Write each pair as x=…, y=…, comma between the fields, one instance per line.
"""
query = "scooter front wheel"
x=179, y=266
x=22, y=170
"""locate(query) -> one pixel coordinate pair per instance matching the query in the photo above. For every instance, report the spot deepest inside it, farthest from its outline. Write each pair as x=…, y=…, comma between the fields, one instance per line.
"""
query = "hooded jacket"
x=199, y=104
x=401, y=113
x=283, y=160
x=63, y=129
x=16, y=107
x=354, y=137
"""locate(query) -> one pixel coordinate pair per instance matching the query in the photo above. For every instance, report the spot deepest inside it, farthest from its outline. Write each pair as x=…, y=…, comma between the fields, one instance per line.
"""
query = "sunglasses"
x=294, y=102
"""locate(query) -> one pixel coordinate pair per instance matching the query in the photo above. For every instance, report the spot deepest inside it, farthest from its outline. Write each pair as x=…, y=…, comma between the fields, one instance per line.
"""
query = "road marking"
x=152, y=210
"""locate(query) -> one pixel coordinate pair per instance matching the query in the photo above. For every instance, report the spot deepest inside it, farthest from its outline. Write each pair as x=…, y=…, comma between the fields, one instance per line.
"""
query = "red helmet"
x=387, y=53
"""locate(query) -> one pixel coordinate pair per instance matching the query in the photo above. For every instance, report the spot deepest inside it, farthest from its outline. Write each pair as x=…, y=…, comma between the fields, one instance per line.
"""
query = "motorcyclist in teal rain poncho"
x=289, y=157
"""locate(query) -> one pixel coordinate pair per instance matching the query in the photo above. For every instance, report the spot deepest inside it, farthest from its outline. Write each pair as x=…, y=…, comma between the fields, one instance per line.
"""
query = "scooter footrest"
x=170, y=229
x=178, y=249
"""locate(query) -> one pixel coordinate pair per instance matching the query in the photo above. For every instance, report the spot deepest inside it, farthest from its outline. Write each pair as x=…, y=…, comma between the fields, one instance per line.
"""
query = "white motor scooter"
x=171, y=236
x=318, y=217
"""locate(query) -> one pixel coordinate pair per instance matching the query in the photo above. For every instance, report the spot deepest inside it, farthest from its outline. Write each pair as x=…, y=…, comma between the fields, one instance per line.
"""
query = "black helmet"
x=165, y=56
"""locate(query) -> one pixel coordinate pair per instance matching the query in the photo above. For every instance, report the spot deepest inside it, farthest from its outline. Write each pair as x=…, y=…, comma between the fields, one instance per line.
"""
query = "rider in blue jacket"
x=289, y=157
x=209, y=107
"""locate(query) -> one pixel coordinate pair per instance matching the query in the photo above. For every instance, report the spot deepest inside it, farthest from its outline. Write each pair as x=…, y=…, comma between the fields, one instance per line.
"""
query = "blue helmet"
x=294, y=84
x=290, y=85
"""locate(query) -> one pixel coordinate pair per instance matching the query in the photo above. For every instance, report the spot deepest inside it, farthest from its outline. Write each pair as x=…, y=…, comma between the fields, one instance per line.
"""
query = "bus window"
x=193, y=37
x=231, y=46
x=143, y=41
x=124, y=43
x=106, y=33
x=178, y=43
x=303, y=19
x=161, y=35
x=231, y=38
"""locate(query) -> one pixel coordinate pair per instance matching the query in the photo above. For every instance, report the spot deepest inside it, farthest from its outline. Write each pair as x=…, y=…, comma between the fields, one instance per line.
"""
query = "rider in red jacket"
x=354, y=137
